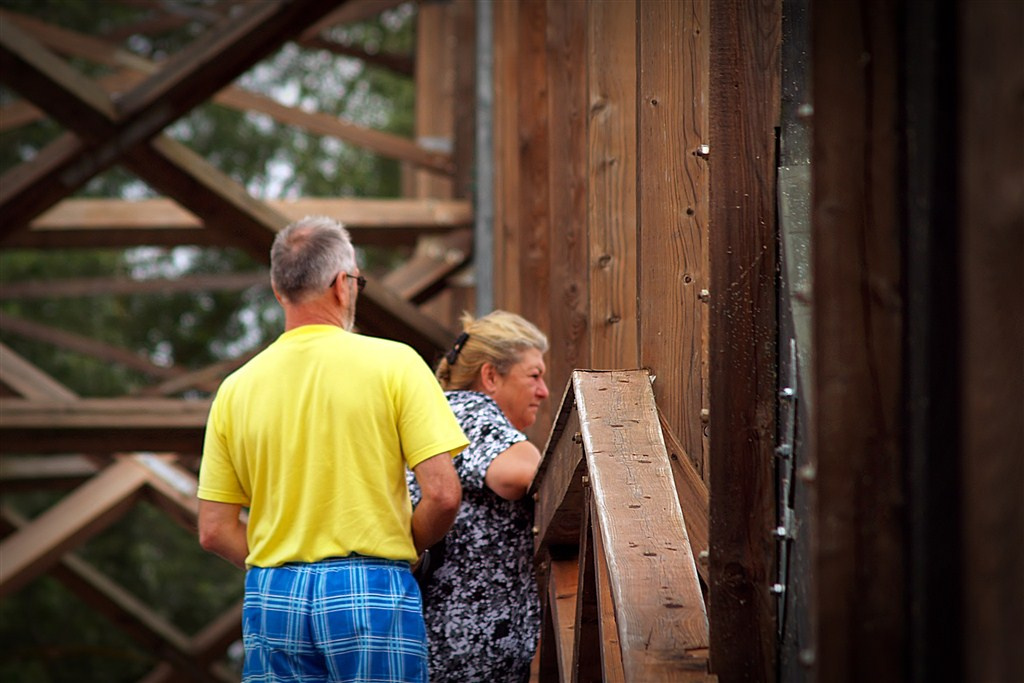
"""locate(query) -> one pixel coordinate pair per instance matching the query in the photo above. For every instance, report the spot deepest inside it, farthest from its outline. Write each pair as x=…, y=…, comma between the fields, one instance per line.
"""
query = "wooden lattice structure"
x=803, y=219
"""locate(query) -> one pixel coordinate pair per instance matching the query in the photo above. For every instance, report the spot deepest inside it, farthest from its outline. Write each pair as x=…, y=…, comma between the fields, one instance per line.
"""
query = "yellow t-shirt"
x=313, y=436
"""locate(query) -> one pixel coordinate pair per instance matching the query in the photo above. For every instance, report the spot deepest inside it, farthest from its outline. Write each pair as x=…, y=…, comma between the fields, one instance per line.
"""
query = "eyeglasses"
x=360, y=281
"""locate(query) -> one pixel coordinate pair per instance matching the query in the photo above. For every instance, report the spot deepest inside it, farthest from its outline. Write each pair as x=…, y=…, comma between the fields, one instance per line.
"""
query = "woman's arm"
x=511, y=473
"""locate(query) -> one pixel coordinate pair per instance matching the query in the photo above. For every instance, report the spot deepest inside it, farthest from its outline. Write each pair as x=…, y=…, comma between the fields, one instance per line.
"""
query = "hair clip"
x=453, y=355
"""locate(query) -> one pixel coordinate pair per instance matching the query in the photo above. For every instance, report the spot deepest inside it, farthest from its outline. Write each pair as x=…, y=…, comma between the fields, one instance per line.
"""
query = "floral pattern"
x=481, y=605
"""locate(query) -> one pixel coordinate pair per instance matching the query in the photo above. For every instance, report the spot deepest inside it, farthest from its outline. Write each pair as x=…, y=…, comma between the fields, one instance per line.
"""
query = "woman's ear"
x=489, y=377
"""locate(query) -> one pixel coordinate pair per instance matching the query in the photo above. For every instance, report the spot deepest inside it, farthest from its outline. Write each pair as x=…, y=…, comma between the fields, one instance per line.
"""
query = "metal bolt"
x=807, y=657
x=777, y=589
x=784, y=451
x=807, y=473
x=586, y=480
x=704, y=295
x=787, y=393
x=705, y=415
x=536, y=531
x=781, y=532
x=703, y=151
x=577, y=438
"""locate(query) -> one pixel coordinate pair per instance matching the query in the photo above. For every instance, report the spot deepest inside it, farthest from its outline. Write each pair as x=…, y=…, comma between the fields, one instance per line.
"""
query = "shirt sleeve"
x=490, y=434
x=426, y=424
x=218, y=480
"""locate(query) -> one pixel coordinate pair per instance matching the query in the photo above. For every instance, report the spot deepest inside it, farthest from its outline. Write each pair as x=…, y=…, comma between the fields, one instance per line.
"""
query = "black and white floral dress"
x=480, y=605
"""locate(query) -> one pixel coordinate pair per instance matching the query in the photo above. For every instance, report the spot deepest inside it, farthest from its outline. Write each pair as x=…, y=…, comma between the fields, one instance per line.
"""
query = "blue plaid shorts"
x=353, y=619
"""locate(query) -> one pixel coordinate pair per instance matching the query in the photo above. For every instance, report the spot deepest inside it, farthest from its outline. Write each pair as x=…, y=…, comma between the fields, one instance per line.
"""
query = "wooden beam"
x=743, y=115
x=568, y=324
x=858, y=368
x=99, y=286
x=99, y=425
x=403, y=65
x=558, y=485
x=989, y=282
x=694, y=500
x=562, y=587
x=435, y=258
x=28, y=381
x=92, y=507
x=385, y=144
x=65, y=41
x=186, y=80
x=350, y=13
x=611, y=190
x=611, y=652
x=660, y=614
x=33, y=472
x=672, y=191
x=81, y=344
x=587, y=646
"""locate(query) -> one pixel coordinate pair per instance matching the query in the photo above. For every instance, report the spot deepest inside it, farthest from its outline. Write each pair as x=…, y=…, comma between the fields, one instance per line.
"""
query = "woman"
x=479, y=593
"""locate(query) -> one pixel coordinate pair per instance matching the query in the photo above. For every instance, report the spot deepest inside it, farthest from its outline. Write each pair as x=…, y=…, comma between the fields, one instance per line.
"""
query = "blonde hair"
x=498, y=338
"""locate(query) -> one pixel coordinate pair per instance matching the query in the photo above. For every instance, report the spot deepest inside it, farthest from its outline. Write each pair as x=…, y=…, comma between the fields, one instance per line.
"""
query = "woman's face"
x=519, y=392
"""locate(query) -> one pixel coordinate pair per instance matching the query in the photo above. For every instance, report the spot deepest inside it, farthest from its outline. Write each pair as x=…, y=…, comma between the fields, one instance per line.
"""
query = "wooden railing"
x=619, y=585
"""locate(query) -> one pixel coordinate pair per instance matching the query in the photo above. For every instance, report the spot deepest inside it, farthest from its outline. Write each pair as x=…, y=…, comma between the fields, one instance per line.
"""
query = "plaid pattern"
x=354, y=619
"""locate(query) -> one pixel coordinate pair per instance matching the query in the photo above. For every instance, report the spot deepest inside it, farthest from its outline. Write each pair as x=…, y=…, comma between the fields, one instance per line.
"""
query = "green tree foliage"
x=46, y=632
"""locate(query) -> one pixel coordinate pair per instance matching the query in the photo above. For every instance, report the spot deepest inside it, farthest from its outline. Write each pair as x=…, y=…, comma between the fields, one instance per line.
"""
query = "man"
x=313, y=436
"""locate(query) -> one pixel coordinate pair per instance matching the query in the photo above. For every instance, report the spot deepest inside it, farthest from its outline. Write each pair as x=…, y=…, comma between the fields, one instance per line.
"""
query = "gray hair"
x=307, y=255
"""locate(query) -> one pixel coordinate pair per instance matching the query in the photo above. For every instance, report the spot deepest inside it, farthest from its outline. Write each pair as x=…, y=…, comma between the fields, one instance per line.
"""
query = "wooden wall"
x=601, y=211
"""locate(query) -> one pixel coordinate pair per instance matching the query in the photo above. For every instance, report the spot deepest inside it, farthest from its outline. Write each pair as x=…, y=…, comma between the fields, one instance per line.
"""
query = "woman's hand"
x=511, y=473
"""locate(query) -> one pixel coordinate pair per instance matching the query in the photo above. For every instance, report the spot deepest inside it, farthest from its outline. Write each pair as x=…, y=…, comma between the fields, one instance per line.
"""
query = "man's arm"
x=221, y=531
x=442, y=494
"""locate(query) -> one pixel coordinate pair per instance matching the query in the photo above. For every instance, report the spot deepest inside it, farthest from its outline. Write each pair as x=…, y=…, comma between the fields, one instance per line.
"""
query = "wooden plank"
x=567, y=324
x=51, y=83
x=532, y=233
x=434, y=259
x=464, y=92
x=162, y=222
x=672, y=210
x=435, y=96
x=52, y=472
x=563, y=587
x=31, y=187
x=205, y=379
x=662, y=624
x=611, y=192
x=98, y=425
x=744, y=44
x=858, y=327
x=507, y=174
x=79, y=287
x=80, y=515
x=383, y=143
x=694, y=500
x=611, y=652
x=81, y=344
x=28, y=381
x=172, y=488
x=348, y=13
x=587, y=647
x=129, y=614
x=991, y=281
x=69, y=42
x=558, y=484
x=559, y=494
x=175, y=170
x=184, y=81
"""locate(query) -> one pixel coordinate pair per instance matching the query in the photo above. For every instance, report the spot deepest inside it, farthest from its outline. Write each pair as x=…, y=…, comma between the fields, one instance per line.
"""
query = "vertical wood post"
x=744, y=111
